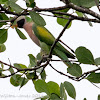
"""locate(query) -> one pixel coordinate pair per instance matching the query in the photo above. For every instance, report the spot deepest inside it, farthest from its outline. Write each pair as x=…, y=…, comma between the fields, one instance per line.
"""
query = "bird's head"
x=20, y=21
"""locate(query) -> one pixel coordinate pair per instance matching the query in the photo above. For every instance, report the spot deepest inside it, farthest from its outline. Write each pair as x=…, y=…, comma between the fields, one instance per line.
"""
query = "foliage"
x=36, y=69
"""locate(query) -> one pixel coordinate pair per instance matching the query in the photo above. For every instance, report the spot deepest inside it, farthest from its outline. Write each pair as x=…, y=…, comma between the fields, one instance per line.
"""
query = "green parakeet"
x=44, y=39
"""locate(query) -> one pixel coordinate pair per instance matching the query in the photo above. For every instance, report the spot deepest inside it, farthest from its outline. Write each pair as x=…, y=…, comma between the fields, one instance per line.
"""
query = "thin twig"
x=9, y=75
x=25, y=69
x=73, y=78
x=67, y=46
x=50, y=9
x=57, y=39
x=73, y=16
x=64, y=60
x=77, y=17
x=84, y=10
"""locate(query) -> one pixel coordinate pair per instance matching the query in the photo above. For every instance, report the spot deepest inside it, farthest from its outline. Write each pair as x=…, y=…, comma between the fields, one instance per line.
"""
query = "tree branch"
x=73, y=78
x=25, y=69
x=9, y=75
x=84, y=10
x=76, y=17
x=54, y=44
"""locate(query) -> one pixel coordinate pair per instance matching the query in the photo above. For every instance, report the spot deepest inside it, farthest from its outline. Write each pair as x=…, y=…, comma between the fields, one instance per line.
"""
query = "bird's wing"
x=43, y=34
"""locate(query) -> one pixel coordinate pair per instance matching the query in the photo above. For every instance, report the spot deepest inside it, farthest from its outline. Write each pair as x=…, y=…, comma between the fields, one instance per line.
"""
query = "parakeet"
x=44, y=39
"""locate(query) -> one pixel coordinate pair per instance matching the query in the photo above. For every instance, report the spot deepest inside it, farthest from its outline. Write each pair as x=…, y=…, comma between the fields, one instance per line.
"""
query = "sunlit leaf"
x=84, y=55
x=70, y=89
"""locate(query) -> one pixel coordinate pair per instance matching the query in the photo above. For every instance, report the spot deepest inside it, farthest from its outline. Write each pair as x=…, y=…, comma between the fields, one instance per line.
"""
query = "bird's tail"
x=63, y=57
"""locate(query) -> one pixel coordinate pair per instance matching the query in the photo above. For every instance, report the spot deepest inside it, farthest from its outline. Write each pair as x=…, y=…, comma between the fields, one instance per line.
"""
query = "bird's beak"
x=13, y=26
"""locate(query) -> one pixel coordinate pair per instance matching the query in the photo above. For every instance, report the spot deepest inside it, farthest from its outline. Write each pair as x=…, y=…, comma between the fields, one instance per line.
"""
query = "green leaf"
x=11, y=70
x=37, y=18
x=41, y=86
x=3, y=16
x=23, y=82
x=15, y=80
x=54, y=97
x=44, y=47
x=70, y=89
x=2, y=23
x=2, y=48
x=99, y=97
x=38, y=56
x=2, y=65
x=88, y=21
x=97, y=61
x=94, y=77
x=85, y=99
x=4, y=0
x=84, y=3
x=79, y=14
x=62, y=92
x=3, y=35
x=19, y=66
x=32, y=60
x=21, y=35
x=28, y=19
x=46, y=97
x=13, y=0
x=43, y=75
x=63, y=22
x=15, y=7
x=30, y=3
x=30, y=75
x=75, y=70
x=53, y=88
x=84, y=55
